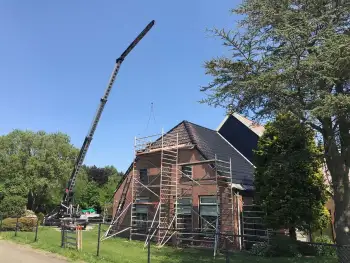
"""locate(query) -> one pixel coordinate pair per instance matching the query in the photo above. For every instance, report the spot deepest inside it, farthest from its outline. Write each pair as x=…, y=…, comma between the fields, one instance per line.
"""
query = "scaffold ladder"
x=168, y=187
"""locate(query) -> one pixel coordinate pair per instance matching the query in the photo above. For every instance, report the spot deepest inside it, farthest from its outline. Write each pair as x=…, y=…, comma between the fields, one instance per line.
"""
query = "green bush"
x=40, y=217
x=307, y=249
x=283, y=246
x=29, y=213
x=24, y=224
x=12, y=206
x=325, y=250
x=260, y=249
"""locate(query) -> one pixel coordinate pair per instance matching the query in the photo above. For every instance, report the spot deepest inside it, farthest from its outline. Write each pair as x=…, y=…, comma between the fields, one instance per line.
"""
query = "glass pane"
x=187, y=170
x=142, y=199
x=143, y=176
x=208, y=200
x=208, y=223
x=184, y=201
x=208, y=210
x=184, y=210
x=141, y=209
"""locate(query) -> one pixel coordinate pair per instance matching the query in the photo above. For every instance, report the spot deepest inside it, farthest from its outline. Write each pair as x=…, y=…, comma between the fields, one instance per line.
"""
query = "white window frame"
x=184, y=173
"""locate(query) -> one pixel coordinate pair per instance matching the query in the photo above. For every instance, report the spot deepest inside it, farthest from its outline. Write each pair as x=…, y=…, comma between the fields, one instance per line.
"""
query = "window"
x=184, y=206
x=143, y=176
x=141, y=213
x=184, y=214
x=186, y=171
x=208, y=212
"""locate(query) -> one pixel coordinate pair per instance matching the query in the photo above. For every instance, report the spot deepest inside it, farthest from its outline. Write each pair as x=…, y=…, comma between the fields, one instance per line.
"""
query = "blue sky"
x=56, y=58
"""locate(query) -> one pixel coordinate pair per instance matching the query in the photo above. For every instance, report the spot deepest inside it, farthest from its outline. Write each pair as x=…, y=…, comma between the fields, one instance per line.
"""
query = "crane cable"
x=149, y=118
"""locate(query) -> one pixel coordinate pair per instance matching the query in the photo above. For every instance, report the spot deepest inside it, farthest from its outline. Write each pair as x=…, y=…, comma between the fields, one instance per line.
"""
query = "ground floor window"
x=209, y=212
x=184, y=206
x=184, y=214
x=141, y=213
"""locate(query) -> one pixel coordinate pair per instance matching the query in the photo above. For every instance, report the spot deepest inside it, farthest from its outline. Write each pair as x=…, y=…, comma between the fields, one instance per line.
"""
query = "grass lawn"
x=122, y=250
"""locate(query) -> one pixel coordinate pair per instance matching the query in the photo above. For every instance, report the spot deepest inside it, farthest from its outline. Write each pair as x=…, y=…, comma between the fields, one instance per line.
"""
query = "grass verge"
x=122, y=250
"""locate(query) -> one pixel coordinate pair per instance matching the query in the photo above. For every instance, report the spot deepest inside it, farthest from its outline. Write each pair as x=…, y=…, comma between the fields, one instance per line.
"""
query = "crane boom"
x=68, y=195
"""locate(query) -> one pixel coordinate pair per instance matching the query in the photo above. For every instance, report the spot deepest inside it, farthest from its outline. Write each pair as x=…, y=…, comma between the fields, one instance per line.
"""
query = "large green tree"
x=293, y=56
x=288, y=178
x=15, y=193
x=95, y=186
x=42, y=162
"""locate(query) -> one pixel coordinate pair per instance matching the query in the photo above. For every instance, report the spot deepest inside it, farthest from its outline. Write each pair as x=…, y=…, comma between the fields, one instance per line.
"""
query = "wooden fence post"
x=16, y=226
x=98, y=240
x=36, y=230
x=149, y=251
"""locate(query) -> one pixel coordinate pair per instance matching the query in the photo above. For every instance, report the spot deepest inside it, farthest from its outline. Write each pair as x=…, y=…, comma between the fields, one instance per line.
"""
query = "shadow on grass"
x=191, y=255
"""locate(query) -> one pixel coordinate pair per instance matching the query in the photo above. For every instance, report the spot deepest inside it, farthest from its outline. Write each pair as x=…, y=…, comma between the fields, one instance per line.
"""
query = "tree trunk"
x=293, y=233
x=340, y=180
x=30, y=201
x=338, y=163
x=342, y=217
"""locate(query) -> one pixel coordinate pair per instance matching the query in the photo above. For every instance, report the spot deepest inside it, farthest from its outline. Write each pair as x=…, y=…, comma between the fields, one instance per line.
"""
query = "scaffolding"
x=163, y=196
x=253, y=226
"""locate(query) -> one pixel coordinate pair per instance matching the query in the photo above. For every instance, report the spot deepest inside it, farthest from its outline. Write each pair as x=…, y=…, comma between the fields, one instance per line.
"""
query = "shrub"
x=307, y=249
x=260, y=249
x=29, y=213
x=12, y=206
x=24, y=224
x=327, y=249
x=40, y=217
x=283, y=246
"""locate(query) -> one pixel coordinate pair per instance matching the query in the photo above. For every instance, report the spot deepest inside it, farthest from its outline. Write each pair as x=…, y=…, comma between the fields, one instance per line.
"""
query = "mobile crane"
x=67, y=210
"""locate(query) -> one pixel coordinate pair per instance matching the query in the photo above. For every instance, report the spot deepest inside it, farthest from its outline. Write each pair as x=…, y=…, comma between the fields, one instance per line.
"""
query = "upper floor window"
x=143, y=176
x=186, y=171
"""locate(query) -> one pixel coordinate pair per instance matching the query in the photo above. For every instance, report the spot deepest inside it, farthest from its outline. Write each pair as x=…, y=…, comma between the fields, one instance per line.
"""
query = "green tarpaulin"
x=89, y=210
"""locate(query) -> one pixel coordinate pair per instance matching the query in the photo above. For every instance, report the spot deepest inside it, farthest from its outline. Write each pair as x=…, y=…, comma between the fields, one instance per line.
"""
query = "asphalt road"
x=13, y=253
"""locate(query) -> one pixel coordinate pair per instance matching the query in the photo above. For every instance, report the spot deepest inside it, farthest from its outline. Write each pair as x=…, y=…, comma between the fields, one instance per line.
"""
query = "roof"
x=211, y=144
x=253, y=126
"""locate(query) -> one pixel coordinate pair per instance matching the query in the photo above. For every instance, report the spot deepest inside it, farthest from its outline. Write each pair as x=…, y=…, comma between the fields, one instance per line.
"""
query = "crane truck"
x=66, y=211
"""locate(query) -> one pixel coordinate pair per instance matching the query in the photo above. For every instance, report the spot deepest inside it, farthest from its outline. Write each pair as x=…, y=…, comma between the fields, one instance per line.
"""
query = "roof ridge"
x=189, y=132
x=254, y=126
x=200, y=126
x=255, y=123
x=173, y=128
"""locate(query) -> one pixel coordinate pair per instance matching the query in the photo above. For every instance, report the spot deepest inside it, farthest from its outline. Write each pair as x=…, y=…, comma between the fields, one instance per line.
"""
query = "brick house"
x=190, y=182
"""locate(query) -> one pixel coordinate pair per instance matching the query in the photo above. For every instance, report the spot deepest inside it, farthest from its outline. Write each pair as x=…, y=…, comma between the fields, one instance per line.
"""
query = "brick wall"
x=207, y=187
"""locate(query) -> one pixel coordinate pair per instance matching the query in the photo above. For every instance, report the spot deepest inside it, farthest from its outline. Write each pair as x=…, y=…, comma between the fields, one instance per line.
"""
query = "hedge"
x=24, y=224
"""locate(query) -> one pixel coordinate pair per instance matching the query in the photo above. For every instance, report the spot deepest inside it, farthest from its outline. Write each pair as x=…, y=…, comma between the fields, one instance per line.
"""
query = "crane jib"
x=79, y=161
x=137, y=40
